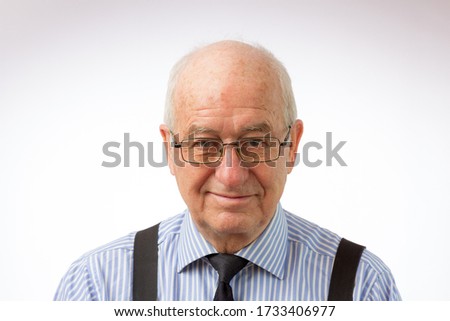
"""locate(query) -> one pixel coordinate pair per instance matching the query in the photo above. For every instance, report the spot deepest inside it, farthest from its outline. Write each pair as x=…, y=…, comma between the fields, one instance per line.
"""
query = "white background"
x=77, y=74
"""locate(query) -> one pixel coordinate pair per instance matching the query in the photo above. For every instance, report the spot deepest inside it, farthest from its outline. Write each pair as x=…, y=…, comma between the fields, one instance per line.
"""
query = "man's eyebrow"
x=263, y=127
x=195, y=130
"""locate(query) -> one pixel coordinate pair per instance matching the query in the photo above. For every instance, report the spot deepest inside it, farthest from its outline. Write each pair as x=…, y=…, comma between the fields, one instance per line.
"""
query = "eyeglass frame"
x=237, y=144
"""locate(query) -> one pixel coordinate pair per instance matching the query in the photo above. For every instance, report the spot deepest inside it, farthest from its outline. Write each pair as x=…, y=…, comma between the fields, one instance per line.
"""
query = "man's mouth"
x=230, y=195
x=231, y=198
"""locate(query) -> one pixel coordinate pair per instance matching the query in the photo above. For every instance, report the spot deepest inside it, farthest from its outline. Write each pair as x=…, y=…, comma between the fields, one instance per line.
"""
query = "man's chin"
x=235, y=223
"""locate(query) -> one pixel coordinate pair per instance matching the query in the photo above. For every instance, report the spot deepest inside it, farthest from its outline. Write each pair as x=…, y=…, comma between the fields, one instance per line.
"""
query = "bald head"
x=230, y=62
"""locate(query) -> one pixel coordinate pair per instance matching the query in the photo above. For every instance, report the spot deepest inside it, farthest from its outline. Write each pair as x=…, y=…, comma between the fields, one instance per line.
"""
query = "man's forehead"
x=224, y=83
x=224, y=59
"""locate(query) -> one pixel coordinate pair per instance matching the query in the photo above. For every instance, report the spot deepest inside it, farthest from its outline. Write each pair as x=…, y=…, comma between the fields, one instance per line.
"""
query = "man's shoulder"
x=310, y=235
x=371, y=261
x=123, y=244
x=324, y=241
x=88, y=277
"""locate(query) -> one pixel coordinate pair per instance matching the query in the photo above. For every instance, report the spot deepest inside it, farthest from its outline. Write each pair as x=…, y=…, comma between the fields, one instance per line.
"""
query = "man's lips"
x=231, y=196
x=231, y=199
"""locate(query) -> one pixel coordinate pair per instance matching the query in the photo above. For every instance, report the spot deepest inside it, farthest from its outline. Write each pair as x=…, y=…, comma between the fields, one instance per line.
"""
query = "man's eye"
x=255, y=143
x=204, y=144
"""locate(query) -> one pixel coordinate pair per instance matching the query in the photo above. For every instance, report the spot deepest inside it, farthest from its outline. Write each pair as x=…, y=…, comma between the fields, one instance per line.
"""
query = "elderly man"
x=231, y=134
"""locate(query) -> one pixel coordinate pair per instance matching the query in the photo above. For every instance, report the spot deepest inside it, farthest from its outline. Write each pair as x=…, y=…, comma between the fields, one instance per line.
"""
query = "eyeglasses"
x=250, y=149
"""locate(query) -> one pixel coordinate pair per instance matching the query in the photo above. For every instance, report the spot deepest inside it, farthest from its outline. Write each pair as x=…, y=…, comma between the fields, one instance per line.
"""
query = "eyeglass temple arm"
x=173, y=142
x=285, y=142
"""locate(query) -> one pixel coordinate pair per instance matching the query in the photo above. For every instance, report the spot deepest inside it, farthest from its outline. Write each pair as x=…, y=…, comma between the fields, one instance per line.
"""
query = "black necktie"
x=227, y=265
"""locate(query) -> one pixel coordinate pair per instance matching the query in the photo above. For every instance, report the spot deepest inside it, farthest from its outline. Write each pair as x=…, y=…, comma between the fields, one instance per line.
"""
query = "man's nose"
x=231, y=172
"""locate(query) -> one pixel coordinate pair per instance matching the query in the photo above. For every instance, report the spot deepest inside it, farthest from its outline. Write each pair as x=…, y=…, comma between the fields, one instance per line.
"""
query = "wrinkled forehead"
x=236, y=78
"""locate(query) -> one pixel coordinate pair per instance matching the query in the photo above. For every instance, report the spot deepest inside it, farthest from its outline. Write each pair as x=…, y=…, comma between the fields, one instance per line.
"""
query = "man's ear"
x=296, y=135
x=165, y=134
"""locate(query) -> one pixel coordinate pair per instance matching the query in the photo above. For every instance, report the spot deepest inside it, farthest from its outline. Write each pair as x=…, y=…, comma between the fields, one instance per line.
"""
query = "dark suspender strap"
x=145, y=265
x=344, y=271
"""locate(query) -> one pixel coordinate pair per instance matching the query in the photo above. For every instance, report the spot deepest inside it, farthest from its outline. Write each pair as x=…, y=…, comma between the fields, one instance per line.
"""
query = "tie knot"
x=227, y=265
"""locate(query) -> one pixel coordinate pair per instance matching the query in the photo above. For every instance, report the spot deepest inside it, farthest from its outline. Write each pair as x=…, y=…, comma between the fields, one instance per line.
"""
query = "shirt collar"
x=192, y=245
x=268, y=251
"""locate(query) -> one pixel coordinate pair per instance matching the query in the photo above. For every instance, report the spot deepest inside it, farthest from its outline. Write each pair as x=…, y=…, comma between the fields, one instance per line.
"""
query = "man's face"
x=230, y=101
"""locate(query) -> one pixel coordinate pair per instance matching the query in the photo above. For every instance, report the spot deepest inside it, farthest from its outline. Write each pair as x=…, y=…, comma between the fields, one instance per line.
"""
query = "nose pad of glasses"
x=227, y=154
x=236, y=153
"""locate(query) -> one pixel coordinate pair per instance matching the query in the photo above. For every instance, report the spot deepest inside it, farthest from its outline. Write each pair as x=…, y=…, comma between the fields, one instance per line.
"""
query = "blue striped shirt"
x=291, y=260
